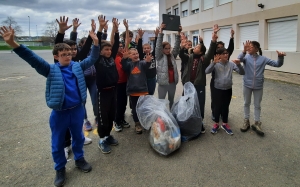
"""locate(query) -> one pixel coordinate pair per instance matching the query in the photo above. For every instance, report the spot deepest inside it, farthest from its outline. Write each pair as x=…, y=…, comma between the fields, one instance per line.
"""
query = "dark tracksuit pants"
x=106, y=111
x=134, y=100
x=151, y=83
x=60, y=122
x=121, y=101
x=222, y=100
x=201, y=97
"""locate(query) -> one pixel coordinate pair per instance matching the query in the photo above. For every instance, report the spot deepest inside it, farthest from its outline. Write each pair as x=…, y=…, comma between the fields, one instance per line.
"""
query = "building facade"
x=274, y=24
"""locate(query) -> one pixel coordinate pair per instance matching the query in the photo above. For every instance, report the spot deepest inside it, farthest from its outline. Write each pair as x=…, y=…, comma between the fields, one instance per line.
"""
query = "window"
x=207, y=34
x=184, y=8
x=282, y=34
x=175, y=10
x=248, y=31
x=195, y=11
x=224, y=35
x=207, y=4
x=195, y=35
x=169, y=38
x=221, y=2
x=168, y=11
x=195, y=6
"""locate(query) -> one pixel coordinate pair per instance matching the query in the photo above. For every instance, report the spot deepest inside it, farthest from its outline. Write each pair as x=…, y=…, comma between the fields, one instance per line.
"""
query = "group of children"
x=113, y=70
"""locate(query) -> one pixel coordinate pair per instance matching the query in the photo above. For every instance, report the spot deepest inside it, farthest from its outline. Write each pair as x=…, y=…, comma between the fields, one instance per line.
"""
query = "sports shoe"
x=203, y=129
x=87, y=126
x=104, y=147
x=87, y=141
x=215, y=128
x=138, y=128
x=257, y=128
x=125, y=123
x=67, y=151
x=226, y=128
x=118, y=127
x=246, y=125
x=60, y=177
x=111, y=140
x=83, y=165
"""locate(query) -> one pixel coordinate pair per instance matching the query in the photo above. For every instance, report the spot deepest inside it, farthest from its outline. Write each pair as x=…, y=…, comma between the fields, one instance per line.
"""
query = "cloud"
x=140, y=13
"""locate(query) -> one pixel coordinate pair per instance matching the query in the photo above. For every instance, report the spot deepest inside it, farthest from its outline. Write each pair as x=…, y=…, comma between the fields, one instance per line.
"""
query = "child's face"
x=197, y=50
x=147, y=49
x=73, y=50
x=224, y=56
x=167, y=49
x=121, y=49
x=134, y=55
x=64, y=57
x=188, y=45
x=252, y=49
x=106, y=51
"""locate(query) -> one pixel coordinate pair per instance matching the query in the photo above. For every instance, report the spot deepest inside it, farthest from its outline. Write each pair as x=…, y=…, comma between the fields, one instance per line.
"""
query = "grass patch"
x=30, y=47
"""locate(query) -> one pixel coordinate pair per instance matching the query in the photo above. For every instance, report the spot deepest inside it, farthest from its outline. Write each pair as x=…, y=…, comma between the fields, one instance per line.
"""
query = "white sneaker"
x=87, y=141
x=67, y=152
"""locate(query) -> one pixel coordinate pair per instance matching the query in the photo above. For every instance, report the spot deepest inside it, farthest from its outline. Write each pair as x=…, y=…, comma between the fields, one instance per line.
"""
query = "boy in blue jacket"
x=65, y=94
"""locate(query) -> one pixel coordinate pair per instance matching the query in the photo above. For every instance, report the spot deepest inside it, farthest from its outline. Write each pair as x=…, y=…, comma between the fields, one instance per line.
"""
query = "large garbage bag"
x=153, y=114
x=187, y=113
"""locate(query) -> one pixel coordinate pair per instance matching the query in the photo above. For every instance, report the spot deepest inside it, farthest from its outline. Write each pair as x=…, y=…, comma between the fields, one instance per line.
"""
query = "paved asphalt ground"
x=244, y=159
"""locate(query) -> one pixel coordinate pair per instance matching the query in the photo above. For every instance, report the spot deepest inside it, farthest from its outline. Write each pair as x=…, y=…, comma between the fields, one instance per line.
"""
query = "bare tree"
x=51, y=30
x=10, y=22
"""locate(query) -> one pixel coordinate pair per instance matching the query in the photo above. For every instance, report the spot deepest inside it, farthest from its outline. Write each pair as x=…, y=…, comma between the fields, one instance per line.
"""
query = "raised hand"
x=76, y=24
x=116, y=24
x=140, y=32
x=136, y=40
x=200, y=39
x=63, y=24
x=156, y=31
x=106, y=27
x=93, y=25
x=125, y=22
x=216, y=58
x=102, y=22
x=7, y=34
x=179, y=29
x=216, y=28
x=148, y=57
x=232, y=33
x=246, y=45
x=162, y=27
x=280, y=53
x=214, y=36
x=125, y=53
x=94, y=37
x=237, y=61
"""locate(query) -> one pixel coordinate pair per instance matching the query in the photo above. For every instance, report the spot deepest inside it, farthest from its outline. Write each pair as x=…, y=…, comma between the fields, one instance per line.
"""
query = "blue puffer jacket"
x=55, y=88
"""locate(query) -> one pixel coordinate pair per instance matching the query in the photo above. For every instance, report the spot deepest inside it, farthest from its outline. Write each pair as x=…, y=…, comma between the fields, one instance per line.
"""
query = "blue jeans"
x=90, y=82
x=151, y=83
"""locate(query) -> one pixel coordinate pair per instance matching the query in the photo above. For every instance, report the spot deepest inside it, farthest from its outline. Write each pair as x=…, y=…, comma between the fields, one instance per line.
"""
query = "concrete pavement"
x=243, y=159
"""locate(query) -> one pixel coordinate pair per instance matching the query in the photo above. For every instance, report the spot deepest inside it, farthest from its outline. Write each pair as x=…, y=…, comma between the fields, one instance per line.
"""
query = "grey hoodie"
x=254, y=66
x=223, y=73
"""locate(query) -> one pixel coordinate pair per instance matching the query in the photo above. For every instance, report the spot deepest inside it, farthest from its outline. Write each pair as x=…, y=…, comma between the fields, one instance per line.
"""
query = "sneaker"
x=87, y=141
x=118, y=127
x=87, y=126
x=104, y=147
x=111, y=140
x=83, y=165
x=246, y=125
x=60, y=177
x=67, y=152
x=125, y=123
x=257, y=128
x=227, y=129
x=138, y=128
x=215, y=128
x=202, y=129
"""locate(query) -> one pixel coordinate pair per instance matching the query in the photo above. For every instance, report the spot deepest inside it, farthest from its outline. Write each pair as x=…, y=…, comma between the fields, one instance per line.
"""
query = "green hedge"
x=30, y=47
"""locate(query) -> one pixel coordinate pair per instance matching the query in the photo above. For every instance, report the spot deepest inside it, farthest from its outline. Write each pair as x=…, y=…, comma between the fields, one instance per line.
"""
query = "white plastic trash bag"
x=187, y=113
x=164, y=131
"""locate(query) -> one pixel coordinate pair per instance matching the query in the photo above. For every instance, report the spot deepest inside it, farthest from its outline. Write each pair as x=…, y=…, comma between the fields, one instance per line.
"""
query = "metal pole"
x=29, y=26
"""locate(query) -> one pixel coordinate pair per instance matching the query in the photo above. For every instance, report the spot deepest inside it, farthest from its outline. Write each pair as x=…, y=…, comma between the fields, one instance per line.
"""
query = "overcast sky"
x=140, y=13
